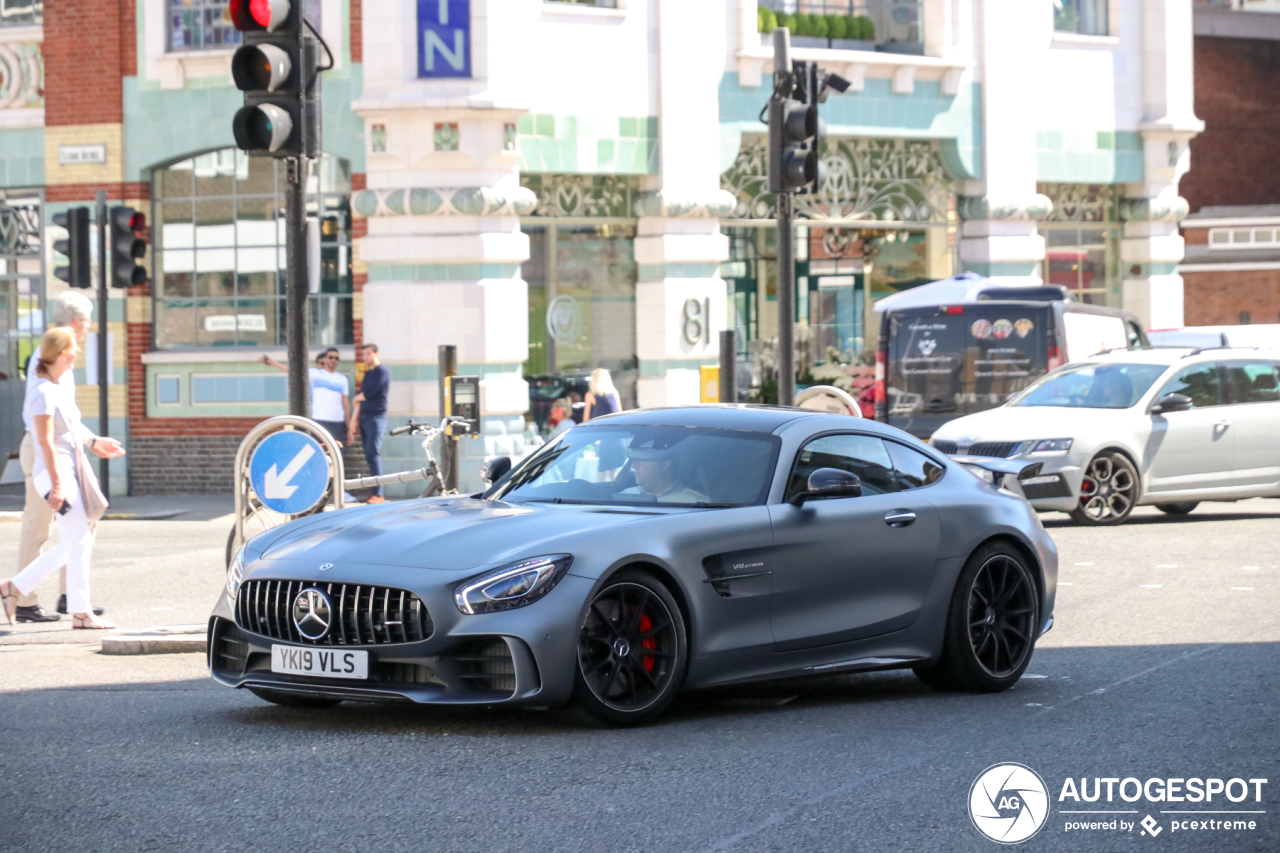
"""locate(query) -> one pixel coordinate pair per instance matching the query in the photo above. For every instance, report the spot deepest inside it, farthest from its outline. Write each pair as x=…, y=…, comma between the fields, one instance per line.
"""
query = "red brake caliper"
x=647, y=642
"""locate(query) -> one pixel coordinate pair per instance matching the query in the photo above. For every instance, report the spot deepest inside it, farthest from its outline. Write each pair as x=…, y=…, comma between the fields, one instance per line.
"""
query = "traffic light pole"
x=295, y=211
x=786, y=302
x=104, y=420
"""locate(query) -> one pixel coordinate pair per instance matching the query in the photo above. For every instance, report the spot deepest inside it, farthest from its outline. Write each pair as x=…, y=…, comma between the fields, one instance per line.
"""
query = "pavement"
x=1162, y=664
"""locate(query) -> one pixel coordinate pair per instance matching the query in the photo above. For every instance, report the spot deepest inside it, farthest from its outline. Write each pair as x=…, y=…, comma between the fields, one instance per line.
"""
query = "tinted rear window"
x=946, y=365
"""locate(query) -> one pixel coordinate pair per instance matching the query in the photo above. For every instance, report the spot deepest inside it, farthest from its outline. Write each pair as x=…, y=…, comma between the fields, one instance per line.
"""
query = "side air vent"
x=489, y=666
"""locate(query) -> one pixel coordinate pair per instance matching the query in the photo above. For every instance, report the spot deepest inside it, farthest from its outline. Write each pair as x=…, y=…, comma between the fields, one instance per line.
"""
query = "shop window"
x=206, y=24
x=21, y=13
x=1082, y=260
x=219, y=252
x=582, y=303
x=1083, y=17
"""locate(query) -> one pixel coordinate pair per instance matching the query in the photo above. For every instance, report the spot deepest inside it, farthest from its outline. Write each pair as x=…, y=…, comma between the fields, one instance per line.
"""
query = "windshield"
x=667, y=465
x=1092, y=386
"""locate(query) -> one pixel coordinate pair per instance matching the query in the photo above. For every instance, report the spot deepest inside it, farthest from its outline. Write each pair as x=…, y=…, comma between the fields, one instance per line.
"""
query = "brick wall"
x=356, y=30
x=83, y=62
x=182, y=465
x=1233, y=160
x=1217, y=298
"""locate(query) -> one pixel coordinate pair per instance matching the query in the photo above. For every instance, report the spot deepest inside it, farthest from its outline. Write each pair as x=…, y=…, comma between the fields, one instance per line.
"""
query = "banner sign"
x=444, y=38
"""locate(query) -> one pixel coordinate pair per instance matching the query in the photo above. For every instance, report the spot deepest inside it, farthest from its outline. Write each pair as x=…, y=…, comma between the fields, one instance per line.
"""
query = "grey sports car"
x=645, y=553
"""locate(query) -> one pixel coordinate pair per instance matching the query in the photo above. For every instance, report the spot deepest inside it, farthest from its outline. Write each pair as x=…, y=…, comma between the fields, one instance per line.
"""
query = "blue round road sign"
x=289, y=472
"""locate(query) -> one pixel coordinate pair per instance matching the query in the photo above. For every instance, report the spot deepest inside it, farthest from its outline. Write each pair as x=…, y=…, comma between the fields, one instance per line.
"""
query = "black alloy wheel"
x=1109, y=491
x=992, y=624
x=293, y=700
x=632, y=652
x=1179, y=508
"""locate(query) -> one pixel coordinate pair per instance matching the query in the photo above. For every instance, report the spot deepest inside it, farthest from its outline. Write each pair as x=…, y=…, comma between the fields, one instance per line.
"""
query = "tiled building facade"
x=554, y=186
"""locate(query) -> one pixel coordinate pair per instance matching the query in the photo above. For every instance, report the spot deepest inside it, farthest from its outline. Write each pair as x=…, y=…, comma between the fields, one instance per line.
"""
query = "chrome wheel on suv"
x=1109, y=491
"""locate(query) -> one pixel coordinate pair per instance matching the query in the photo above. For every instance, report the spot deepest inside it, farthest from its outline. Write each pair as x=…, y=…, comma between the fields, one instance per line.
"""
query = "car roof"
x=1175, y=355
x=757, y=418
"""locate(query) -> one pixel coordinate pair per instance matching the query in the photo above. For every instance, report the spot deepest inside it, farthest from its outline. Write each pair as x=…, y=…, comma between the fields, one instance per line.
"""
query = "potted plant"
x=809, y=31
x=766, y=20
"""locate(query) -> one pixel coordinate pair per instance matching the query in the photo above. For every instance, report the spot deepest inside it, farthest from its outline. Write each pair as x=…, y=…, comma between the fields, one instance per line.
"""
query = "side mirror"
x=829, y=483
x=1172, y=403
x=495, y=468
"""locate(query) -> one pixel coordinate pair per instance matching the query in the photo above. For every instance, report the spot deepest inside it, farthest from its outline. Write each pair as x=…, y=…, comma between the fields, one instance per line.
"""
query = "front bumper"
x=519, y=657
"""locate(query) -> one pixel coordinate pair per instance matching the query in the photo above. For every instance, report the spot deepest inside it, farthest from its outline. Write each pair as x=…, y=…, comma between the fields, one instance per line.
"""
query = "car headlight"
x=235, y=572
x=1049, y=446
x=511, y=586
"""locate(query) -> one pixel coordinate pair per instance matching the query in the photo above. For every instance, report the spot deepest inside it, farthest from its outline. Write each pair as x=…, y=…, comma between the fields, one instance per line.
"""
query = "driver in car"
x=654, y=461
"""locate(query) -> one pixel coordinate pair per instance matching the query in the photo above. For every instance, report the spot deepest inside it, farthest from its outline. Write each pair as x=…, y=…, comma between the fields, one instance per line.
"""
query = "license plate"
x=320, y=663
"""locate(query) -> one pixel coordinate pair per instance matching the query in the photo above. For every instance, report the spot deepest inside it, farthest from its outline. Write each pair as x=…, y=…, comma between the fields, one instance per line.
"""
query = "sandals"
x=11, y=611
x=91, y=623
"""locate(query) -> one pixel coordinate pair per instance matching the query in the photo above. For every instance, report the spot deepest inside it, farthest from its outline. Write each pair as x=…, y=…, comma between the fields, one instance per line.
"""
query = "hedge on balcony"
x=858, y=27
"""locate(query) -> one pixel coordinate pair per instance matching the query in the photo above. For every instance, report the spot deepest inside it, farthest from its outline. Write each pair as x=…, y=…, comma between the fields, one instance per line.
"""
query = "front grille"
x=230, y=650
x=363, y=615
x=947, y=447
x=993, y=448
x=488, y=666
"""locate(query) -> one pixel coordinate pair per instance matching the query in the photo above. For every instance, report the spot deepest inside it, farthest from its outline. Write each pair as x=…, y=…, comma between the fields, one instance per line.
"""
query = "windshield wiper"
x=557, y=501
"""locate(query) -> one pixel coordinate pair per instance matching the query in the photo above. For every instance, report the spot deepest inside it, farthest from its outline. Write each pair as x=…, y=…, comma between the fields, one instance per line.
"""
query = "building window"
x=249, y=388
x=1244, y=238
x=206, y=24
x=1083, y=17
x=219, y=252
x=21, y=13
x=168, y=390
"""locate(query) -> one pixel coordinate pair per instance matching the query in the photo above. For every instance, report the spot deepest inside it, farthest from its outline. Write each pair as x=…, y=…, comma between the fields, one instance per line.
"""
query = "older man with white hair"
x=73, y=310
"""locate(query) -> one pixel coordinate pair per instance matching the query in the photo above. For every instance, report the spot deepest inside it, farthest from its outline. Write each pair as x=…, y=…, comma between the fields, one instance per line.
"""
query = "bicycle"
x=431, y=473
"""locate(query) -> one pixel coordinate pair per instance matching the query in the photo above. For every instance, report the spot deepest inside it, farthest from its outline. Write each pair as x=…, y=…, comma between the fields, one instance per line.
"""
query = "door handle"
x=900, y=518
x=1223, y=423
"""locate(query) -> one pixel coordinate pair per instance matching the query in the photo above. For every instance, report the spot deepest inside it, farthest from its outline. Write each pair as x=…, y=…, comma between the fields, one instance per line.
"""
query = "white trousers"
x=75, y=549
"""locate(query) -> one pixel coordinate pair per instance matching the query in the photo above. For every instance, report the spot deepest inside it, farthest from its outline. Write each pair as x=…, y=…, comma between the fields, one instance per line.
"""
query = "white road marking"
x=1152, y=585
x=162, y=608
x=1084, y=564
x=1066, y=584
x=1241, y=588
x=1029, y=675
x=1166, y=565
x=1035, y=704
x=1250, y=568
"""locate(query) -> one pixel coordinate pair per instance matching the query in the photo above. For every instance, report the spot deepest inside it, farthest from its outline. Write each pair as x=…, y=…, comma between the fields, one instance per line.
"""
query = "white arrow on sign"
x=276, y=485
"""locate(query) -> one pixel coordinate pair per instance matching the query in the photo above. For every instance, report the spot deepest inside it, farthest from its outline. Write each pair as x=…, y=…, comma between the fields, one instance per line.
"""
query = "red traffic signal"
x=249, y=16
x=126, y=247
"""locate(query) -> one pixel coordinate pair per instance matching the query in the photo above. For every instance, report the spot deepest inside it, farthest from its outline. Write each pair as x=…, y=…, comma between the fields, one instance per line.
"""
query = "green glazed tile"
x=545, y=125
x=1106, y=140
x=605, y=150
x=524, y=124
x=626, y=126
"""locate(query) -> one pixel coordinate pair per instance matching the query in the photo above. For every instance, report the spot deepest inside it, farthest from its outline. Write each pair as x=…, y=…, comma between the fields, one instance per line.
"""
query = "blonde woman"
x=62, y=475
x=602, y=397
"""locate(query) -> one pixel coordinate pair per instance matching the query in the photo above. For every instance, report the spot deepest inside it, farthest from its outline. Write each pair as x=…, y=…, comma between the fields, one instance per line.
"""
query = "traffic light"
x=126, y=247
x=795, y=134
x=75, y=247
x=268, y=68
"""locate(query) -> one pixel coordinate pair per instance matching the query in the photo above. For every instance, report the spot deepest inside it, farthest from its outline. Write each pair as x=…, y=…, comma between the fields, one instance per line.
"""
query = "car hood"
x=446, y=534
x=1024, y=423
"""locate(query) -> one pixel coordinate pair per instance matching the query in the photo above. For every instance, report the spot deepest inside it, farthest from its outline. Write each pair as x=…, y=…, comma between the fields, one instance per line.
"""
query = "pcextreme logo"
x=1008, y=803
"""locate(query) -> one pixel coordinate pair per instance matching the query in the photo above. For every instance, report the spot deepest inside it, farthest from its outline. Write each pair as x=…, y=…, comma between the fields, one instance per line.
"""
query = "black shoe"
x=36, y=613
x=62, y=606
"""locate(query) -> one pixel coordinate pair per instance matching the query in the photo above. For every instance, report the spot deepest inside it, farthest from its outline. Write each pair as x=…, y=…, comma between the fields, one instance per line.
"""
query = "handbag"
x=95, y=503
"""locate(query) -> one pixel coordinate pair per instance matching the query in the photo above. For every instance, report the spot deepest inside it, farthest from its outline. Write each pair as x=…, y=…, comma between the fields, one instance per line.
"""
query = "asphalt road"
x=1163, y=663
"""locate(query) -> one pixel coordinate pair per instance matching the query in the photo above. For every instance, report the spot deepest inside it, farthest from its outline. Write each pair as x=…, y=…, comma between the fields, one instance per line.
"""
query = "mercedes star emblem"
x=326, y=567
x=312, y=613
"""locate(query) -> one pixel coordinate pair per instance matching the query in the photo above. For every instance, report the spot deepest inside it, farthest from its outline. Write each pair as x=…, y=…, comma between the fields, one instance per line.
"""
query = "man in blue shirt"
x=371, y=413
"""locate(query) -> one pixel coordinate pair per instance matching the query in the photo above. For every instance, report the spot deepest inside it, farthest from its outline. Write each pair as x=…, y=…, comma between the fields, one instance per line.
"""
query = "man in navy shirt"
x=371, y=413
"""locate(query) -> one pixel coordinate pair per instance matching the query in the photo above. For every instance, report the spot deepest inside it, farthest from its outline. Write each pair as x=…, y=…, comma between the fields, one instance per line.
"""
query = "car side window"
x=862, y=455
x=1200, y=382
x=1253, y=382
x=911, y=468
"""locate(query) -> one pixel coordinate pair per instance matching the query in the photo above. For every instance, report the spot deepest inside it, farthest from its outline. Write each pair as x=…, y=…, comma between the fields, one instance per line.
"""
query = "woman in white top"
x=62, y=474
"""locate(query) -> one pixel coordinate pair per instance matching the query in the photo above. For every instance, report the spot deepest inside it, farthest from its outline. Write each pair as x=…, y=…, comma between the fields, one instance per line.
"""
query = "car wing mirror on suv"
x=1172, y=403
x=829, y=483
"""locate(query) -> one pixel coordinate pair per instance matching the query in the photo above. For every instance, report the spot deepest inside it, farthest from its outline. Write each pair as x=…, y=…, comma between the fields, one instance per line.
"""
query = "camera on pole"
x=127, y=248
x=75, y=247
x=268, y=67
